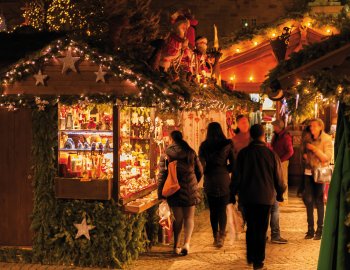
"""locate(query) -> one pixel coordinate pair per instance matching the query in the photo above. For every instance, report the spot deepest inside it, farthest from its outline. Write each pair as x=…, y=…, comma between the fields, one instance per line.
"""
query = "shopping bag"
x=164, y=214
x=171, y=184
x=325, y=193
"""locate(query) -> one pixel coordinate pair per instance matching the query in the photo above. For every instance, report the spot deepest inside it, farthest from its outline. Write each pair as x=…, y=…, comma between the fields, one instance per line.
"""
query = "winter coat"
x=325, y=145
x=283, y=146
x=258, y=175
x=188, y=176
x=217, y=164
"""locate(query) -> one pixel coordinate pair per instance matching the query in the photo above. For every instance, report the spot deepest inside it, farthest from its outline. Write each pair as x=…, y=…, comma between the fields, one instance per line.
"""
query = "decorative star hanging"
x=100, y=75
x=68, y=62
x=40, y=78
x=83, y=229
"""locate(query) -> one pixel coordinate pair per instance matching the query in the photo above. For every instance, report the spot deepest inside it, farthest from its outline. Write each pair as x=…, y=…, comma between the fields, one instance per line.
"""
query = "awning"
x=338, y=61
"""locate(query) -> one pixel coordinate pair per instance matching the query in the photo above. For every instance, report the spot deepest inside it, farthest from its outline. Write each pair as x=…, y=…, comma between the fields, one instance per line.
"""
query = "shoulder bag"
x=323, y=175
x=171, y=184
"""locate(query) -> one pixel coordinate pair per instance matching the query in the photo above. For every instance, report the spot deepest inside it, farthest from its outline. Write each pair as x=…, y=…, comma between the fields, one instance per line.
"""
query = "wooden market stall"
x=311, y=82
x=76, y=133
x=81, y=135
x=246, y=63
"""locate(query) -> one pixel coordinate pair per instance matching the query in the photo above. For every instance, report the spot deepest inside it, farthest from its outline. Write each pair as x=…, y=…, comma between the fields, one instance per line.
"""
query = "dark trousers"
x=218, y=218
x=313, y=196
x=257, y=216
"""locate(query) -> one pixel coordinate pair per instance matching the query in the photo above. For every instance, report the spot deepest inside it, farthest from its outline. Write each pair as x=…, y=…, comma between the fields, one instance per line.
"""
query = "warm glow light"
x=328, y=31
x=273, y=34
x=251, y=78
x=238, y=50
x=255, y=43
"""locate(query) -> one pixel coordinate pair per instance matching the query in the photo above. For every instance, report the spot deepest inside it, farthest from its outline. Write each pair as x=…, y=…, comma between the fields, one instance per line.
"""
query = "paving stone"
x=298, y=254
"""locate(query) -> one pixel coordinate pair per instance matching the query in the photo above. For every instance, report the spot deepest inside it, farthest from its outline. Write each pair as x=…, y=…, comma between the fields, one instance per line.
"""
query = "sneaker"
x=279, y=240
x=185, y=249
x=177, y=251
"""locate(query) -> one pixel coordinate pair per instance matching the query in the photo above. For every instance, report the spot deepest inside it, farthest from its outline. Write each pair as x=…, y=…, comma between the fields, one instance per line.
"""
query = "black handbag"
x=323, y=175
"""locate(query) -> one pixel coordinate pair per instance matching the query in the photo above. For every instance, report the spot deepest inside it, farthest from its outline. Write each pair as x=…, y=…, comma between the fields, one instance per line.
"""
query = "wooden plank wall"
x=16, y=192
x=72, y=83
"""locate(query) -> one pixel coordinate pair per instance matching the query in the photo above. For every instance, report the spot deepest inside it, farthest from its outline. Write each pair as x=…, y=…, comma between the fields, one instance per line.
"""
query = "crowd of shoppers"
x=248, y=171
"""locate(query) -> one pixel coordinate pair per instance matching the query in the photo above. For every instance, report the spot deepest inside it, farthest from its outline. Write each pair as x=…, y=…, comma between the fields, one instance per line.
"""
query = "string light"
x=149, y=90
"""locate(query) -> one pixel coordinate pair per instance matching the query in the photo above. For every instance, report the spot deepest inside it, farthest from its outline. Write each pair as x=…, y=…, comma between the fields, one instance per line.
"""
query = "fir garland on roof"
x=154, y=91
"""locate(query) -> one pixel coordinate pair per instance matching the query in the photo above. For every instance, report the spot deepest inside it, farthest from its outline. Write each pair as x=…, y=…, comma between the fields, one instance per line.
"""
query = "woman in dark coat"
x=217, y=157
x=189, y=173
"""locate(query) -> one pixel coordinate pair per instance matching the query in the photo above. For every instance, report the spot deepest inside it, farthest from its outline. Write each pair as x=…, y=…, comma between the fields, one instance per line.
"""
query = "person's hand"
x=233, y=199
x=279, y=198
x=311, y=147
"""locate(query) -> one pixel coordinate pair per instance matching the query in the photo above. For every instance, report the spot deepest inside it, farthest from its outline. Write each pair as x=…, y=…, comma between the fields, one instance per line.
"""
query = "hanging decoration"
x=41, y=103
x=68, y=62
x=296, y=101
x=83, y=229
x=40, y=78
x=100, y=75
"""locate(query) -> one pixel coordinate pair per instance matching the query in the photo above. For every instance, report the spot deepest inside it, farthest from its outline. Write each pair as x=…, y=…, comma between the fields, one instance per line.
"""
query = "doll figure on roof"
x=202, y=66
x=171, y=52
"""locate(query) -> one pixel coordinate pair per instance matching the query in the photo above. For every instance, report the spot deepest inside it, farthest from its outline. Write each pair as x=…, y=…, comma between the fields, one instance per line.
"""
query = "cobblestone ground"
x=298, y=254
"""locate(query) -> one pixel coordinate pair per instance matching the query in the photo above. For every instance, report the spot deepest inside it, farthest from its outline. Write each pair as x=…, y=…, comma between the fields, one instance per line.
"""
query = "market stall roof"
x=124, y=78
x=331, y=54
x=246, y=63
x=338, y=61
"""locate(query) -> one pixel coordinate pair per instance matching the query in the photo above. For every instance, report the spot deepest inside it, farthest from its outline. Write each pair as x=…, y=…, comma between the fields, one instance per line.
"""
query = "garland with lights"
x=253, y=36
x=168, y=96
x=322, y=87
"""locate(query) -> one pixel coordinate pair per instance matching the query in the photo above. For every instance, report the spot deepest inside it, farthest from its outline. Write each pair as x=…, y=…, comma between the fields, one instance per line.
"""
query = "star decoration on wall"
x=83, y=229
x=100, y=75
x=40, y=78
x=69, y=62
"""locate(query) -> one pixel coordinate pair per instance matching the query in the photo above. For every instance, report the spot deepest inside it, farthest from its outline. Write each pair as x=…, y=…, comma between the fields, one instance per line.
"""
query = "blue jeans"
x=275, y=221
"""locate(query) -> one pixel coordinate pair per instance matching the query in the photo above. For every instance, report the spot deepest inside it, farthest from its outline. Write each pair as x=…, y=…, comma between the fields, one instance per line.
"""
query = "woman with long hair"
x=216, y=155
x=189, y=173
x=318, y=151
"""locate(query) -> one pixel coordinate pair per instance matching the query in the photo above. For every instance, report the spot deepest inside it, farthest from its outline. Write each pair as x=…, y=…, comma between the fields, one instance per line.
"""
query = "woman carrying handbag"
x=318, y=152
x=180, y=163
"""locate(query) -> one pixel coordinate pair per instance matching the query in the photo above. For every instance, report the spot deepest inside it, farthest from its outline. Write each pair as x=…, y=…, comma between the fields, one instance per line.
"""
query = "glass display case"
x=105, y=152
x=136, y=137
x=85, y=147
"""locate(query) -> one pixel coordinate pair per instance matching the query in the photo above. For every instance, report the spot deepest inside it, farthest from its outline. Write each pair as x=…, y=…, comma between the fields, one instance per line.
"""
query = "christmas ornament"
x=41, y=103
x=83, y=229
x=297, y=101
x=40, y=78
x=100, y=75
x=68, y=62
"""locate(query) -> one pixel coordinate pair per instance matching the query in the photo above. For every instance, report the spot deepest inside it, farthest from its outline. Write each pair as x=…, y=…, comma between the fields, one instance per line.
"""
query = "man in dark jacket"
x=258, y=179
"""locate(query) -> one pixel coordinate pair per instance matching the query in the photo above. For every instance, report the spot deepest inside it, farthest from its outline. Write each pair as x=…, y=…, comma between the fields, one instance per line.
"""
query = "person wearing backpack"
x=189, y=172
x=216, y=154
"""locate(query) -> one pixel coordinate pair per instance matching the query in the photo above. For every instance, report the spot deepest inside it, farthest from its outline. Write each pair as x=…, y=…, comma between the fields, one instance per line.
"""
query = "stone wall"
x=226, y=14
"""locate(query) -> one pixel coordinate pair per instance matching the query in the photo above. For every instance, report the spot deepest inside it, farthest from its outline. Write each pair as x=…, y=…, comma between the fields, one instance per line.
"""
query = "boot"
x=221, y=239
x=310, y=233
x=318, y=234
x=216, y=239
